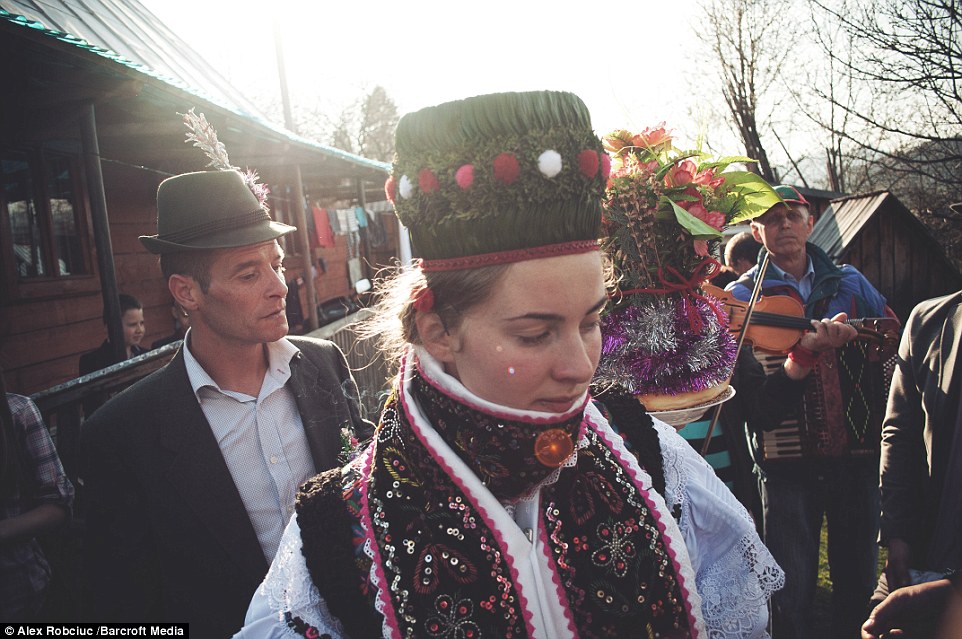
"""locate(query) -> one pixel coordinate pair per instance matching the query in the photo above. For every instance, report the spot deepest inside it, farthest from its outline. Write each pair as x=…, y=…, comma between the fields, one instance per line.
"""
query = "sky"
x=627, y=60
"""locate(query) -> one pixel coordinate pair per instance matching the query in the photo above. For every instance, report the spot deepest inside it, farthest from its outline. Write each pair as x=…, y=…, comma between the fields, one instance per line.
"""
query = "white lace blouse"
x=733, y=571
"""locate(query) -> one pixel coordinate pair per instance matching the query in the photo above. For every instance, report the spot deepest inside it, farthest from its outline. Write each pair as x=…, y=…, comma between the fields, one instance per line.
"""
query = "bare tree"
x=749, y=45
x=367, y=126
x=908, y=55
x=825, y=86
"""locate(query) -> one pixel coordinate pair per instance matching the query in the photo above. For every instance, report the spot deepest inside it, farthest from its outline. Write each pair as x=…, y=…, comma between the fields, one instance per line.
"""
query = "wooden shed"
x=89, y=126
x=878, y=235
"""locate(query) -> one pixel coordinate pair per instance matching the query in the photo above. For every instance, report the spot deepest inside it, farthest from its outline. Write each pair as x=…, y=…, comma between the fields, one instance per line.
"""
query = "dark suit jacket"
x=93, y=361
x=917, y=435
x=168, y=537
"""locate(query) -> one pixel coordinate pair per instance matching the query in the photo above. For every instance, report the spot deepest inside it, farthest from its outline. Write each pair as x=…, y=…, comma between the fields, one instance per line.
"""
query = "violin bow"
x=756, y=293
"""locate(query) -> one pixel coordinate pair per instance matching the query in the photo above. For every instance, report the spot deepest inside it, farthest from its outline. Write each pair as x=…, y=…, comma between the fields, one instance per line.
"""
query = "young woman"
x=495, y=500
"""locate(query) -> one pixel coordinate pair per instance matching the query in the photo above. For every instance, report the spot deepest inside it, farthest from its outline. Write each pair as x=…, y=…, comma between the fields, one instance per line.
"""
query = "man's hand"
x=828, y=334
x=907, y=610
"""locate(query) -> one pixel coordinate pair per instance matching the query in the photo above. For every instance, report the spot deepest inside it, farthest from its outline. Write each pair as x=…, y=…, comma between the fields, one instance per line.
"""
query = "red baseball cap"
x=790, y=194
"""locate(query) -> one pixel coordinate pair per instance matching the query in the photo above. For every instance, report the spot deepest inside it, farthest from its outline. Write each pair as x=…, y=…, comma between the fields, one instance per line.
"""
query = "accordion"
x=844, y=403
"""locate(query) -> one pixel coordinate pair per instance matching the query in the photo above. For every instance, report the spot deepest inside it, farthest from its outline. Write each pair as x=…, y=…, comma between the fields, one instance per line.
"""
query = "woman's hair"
x=455, y=293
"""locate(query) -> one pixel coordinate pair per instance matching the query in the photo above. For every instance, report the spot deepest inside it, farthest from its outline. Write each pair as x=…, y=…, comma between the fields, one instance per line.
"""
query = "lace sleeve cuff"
x=291, y=593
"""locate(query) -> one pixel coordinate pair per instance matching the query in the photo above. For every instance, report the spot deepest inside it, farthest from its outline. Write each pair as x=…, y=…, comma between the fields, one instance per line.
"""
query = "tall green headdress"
x=499, y=178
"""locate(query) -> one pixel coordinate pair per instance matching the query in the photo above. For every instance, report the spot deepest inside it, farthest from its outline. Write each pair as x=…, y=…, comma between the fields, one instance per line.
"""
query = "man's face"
x=784, y=229
x=247, y=295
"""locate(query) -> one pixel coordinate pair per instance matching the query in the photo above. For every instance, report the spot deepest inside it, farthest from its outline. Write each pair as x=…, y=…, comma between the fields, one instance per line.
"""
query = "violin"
x=778, y=321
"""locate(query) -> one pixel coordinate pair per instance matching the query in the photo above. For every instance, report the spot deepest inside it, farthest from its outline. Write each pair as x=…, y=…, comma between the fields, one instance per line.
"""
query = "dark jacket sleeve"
x=119, y=566
x=903, y=466
x=762, y=401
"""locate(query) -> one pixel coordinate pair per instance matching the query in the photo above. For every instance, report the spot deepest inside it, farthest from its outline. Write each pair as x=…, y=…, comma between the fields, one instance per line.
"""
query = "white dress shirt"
x=262, y=440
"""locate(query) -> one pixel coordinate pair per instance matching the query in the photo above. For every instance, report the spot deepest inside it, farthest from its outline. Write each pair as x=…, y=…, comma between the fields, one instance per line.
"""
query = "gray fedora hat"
x=209, y=210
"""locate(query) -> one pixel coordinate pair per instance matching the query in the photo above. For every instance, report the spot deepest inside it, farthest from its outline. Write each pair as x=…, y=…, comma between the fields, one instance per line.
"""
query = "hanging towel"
x=322, y=227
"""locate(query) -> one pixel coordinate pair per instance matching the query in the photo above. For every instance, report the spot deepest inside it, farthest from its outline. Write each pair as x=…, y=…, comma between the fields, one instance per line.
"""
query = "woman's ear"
x=435, y=336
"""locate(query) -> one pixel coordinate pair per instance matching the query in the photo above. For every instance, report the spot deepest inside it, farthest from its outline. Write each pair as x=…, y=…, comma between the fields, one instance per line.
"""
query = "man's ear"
x=435, y=337
x=755, y=232
x=184, y=290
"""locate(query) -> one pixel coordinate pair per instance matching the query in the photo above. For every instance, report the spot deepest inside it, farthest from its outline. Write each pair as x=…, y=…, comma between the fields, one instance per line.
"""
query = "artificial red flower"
x=428, y=181
x=605, y=166
x=424, y=300
x=681, y=174
x=653, y=137
x=705, y=177
x=464, y=176
x=588, y=162
x=714, y=219
x=506, y=168
x=389, y=189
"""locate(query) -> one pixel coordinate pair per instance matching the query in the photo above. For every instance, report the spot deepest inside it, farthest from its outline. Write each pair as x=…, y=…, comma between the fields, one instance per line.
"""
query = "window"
x=43, y=218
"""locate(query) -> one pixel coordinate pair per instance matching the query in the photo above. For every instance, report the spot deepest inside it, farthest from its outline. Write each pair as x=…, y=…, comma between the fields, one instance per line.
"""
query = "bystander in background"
x=35, y=498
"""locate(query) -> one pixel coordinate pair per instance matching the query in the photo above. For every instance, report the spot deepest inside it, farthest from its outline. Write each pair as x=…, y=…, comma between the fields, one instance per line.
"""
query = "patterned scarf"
x=443, y=568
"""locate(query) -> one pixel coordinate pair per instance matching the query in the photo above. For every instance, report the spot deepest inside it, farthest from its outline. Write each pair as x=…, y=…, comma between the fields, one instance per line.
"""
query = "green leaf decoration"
x=755, y=195
x=695, y=227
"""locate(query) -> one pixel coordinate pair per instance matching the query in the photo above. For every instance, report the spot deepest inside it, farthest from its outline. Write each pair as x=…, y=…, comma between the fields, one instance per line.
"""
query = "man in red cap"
x=798, y=493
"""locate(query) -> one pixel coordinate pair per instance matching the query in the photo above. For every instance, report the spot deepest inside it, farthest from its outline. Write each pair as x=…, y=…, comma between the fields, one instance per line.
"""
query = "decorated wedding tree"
x=666, y=342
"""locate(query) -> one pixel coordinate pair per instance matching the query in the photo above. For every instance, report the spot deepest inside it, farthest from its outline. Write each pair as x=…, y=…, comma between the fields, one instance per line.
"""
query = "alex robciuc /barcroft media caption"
x=96, y=630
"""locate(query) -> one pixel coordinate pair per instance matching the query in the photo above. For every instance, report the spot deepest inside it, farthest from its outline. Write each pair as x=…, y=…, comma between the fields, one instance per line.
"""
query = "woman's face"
x=535, y=342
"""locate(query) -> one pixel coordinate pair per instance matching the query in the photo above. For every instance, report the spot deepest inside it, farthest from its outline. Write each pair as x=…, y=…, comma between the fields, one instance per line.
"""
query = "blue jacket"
x=836, y=289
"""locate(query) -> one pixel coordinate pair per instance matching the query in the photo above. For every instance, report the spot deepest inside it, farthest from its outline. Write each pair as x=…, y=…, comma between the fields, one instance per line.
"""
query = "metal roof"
x=126, y=34
x=844, y=218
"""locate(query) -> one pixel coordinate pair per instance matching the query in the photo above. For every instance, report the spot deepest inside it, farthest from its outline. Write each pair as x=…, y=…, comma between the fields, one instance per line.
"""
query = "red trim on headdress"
x=507, y=257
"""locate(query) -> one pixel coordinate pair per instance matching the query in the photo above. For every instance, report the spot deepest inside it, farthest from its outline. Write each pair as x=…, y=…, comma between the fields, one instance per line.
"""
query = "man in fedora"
x=190, y=474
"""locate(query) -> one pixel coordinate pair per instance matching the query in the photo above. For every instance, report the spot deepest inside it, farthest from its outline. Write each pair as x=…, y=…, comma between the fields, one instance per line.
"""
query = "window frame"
x=54, y=284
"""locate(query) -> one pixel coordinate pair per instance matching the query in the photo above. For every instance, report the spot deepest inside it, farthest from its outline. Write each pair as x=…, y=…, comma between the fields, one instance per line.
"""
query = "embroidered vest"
x=443, y=567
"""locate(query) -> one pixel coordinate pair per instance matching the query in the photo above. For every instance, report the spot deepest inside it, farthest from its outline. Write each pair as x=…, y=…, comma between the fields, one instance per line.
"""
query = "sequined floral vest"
x=440, y=565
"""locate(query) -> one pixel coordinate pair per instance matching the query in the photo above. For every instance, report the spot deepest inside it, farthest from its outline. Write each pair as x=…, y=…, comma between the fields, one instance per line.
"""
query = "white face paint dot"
x=511, y=370
x=499, y=348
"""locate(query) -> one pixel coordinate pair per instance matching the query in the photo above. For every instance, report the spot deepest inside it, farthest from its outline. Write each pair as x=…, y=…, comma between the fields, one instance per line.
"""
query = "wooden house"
x=879, y=236
x=89, y=126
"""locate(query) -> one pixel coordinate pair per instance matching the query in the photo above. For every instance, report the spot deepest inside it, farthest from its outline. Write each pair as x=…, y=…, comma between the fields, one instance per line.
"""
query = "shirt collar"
x=279, y=356
x=809, y=270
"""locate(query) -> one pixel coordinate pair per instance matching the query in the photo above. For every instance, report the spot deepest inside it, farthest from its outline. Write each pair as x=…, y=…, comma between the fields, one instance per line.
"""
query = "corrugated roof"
x=842, y=221
x=126, y=33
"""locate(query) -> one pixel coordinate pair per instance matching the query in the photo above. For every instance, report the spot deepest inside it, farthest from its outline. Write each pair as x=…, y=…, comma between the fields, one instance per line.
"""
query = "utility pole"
x=300, y=215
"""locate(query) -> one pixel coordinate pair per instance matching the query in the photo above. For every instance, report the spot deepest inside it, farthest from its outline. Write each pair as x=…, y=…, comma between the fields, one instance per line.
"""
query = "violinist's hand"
x=827, y=334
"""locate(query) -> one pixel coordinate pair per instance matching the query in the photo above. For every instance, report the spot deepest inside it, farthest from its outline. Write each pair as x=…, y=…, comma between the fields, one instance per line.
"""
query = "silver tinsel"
x=651, y=346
